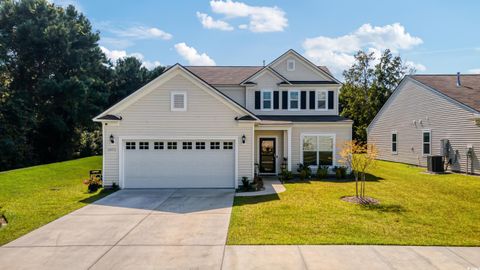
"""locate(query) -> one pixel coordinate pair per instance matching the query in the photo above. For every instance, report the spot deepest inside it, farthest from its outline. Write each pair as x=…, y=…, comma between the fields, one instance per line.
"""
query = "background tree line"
x=54, y=79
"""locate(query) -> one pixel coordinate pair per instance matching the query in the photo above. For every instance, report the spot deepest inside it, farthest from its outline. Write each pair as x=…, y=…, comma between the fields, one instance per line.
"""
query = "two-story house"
x=198, y=126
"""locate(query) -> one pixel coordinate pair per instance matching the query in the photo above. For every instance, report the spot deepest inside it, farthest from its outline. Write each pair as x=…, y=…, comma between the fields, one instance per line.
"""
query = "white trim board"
x=277, y=139
x=334, y=147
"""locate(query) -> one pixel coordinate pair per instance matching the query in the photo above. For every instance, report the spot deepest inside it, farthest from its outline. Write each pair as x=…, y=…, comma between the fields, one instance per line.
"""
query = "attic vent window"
x=290, y=65
x=178, y=101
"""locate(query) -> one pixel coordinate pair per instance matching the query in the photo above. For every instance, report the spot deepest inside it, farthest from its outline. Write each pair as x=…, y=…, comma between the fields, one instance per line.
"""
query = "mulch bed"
x=358, y=200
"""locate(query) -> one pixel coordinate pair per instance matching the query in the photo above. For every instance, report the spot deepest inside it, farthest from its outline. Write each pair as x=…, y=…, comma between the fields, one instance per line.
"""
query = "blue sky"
x=433, y=36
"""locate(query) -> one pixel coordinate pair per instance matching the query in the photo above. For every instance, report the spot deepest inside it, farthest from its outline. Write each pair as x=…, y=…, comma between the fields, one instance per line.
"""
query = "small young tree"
x=359, y=158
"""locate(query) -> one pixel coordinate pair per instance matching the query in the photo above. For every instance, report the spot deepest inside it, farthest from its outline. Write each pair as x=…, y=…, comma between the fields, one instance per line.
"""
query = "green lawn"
x=415, y=209
x=34, y=196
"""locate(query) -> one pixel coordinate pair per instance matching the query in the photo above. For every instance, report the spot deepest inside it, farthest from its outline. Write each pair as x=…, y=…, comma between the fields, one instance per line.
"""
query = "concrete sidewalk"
x=351, y=257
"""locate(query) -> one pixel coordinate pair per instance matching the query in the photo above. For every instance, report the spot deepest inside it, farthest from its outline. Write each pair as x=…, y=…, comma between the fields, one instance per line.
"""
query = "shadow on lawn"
x=385, y=208
x=368, y=178
x=97, y=196
x=239, y=201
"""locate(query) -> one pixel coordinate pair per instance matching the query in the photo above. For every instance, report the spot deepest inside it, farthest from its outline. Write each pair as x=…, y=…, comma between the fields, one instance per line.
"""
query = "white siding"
x=151, y=116
x=302, y=72
x=342, y=131
x=236, y=93
x=445, y=119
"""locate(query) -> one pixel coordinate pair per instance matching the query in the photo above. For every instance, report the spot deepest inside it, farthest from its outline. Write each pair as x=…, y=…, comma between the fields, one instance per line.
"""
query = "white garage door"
x=179, y=163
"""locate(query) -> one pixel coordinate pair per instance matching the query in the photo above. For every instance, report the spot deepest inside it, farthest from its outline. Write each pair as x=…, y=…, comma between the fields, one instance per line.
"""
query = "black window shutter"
x=285, y=100
x=275, y=100
x=312, y=100
x=330, y=100
x=257, y=100
x=303, y=100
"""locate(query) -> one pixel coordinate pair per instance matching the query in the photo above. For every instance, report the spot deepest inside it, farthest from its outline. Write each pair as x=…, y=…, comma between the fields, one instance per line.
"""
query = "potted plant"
x=93, y=183
x=245, y=183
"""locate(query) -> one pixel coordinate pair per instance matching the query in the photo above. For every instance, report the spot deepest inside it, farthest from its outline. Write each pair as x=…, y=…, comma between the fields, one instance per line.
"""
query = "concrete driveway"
x=131, y=229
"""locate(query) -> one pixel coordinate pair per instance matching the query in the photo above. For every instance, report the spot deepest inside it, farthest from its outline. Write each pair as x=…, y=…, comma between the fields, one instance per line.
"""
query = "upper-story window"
x=178, y=101
x=321, y=100
x=293, y=100
x=290, y=65
x=267, y=100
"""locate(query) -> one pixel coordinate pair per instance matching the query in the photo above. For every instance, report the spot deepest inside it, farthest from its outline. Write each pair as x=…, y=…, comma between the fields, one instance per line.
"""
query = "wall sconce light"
x=112, y=139
x=244, y=139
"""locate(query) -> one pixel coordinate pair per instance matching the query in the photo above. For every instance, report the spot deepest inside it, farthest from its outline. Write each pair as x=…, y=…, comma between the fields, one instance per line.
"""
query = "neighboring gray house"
x=197, y=126
x=423, y=113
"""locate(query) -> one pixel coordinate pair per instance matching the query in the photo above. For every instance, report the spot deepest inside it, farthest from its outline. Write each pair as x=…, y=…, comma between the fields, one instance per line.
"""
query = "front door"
x=267, y=155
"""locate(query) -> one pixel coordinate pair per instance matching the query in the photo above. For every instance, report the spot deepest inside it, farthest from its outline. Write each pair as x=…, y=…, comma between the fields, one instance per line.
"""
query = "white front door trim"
x=121, y=152
x=276, y=151
x=289, y=141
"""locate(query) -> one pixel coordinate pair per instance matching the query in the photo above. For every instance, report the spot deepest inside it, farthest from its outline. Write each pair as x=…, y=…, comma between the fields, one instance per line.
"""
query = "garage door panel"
x=179, y=168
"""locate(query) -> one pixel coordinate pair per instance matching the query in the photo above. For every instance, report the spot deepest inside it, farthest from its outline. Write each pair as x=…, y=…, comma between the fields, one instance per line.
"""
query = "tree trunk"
x=356, y=184
x=363, y=185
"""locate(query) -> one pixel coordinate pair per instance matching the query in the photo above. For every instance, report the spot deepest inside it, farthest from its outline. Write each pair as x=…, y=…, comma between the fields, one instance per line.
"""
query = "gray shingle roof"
x=467, y=93
x=228, y=75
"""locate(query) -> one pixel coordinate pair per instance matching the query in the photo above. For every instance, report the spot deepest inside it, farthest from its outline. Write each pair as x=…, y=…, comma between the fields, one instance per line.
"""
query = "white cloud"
x=243, y=26
x=261, y=18
x=192, y=56
x=416, y=66
x=114, y=55
x=142, y=32
x=337, y=52
x=474, y=71
x=209, y=23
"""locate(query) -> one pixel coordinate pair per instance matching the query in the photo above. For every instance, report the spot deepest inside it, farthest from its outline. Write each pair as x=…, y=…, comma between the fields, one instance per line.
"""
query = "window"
x=321, y=100
x=293, y=99
x=158, y=145
x=227, y=145
x=200, y=145
x=214, y=145
x=317, y=150
x=178, y=101
x=187, y=145
x=172, y=145
x=427, y=142
x=267, y=99
x=290, y=65
x=143, y=145
x=394, y=142
x=130, y=145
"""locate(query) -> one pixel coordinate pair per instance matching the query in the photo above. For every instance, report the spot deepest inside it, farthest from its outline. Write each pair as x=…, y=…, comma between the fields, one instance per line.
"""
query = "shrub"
x=340, y=172
x=343, y=172
x=305, y=169
x=322, y=172
x=303, y=175
x=286, y=175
